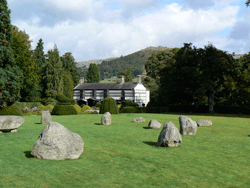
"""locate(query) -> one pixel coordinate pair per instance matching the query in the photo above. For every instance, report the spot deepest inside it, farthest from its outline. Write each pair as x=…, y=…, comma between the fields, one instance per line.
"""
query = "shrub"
x=109, y=105
x=50, y=101
x=98, y=104
x=42, y=107
x=130, y=103
x=49, y=107
x=11, y=110
x=78, y=108
x=86, y=107
x=129, y=109
x=82, y=105
x=64, y=110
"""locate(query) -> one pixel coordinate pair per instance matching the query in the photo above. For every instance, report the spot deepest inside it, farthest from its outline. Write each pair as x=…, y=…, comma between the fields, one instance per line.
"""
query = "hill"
x=113, y=66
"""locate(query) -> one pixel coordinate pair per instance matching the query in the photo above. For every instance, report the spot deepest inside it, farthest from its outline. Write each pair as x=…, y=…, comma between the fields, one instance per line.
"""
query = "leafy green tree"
x=128, y=74
x=93, y=75
x=21, y=46
x=39, y=54
x=69, y=64
x=40, y=62
x=68, y=84
x=195, y=73
x=248, y=3
x=53, y=73
x=11, y=74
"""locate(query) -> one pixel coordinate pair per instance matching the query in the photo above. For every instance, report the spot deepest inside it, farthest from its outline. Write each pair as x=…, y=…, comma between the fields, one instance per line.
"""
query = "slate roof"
x=109, y=86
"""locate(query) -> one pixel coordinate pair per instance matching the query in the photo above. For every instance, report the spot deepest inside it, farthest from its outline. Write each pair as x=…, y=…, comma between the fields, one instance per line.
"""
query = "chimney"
x=122, y=79
x=81, y=80
x=138, y=79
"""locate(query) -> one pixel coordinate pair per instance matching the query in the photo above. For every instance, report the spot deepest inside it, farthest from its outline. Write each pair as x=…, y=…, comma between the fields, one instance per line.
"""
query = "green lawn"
x=124, y=154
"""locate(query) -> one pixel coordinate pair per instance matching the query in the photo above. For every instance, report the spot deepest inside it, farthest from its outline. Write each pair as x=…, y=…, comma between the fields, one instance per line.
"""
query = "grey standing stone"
x=58, y=143
x=46, y=117
x=11, y=122
x=106, y=119
x=203, y=123
x=154, y=124
x=169, y=136
x=139, y=119
x=187, y=126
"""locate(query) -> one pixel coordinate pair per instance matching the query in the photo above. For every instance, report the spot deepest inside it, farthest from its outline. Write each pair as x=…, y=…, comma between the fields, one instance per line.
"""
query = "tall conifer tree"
x=11, y=74
x=93, y=75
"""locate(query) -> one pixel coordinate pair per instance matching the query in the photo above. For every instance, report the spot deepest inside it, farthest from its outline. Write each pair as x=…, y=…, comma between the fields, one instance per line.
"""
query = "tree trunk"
x=211, y=98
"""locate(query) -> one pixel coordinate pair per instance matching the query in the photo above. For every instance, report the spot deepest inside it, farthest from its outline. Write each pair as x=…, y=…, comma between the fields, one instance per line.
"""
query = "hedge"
x=11, y=110
x=64, y=110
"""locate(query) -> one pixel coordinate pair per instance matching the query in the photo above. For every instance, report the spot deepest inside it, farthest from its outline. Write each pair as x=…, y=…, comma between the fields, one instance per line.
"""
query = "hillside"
x=113, y=66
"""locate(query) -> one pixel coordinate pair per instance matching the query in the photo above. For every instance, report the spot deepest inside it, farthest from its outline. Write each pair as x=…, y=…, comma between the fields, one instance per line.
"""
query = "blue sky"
x=98, y=29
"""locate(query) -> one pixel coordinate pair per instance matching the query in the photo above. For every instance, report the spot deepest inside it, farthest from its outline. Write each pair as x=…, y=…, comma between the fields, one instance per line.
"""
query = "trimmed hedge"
x=11, y=110
x=42, y=107
x=130, y=103
x=49, y=107
x=129, y=109
x=98, y=104
x=63, y=100
x=78, y=108
x=85, y=107
x=109, y=105
x=51, y=101
x=64, y=110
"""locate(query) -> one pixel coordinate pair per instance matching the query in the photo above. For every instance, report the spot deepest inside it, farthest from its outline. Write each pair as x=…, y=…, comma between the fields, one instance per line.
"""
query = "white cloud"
x=106, y=33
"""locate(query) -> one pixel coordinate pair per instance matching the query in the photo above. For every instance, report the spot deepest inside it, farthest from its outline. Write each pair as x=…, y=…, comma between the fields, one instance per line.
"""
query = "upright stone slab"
x=203, y=123
x=187, y=126
x=169, y=136
x=58, y=143
x=154, y=124
x=139, y=119
x=46, y=117
x=11, y=123
x=106, y=119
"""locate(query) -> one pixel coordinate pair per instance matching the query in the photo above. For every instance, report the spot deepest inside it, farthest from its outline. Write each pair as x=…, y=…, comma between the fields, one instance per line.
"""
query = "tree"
x=93, y=75
x=69, y=64
x=21, y=46
x=53, y=73
x=194, y=73
x=128, y=74
x=248, y=3
x=39, y=54
x=11, y=74
x=68, y=84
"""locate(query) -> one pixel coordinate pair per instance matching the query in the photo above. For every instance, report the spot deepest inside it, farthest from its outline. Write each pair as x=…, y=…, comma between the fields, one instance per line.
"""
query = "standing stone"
x=139, y=119
x=169, y=136
x=202, y=123
x=46, y=117
x=187, y=126
x=154, y=124
x=58, y=143
x=11, y=122
x=106, y=119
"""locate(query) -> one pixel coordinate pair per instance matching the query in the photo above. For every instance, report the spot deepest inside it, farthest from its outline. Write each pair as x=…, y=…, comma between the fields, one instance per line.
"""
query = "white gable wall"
x=141, y=95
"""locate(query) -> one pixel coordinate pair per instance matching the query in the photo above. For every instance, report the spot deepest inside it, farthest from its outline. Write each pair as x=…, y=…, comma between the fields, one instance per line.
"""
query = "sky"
x=98, y=29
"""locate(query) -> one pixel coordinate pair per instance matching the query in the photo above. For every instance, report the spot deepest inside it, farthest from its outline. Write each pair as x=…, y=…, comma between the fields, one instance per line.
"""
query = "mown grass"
x=124, y=154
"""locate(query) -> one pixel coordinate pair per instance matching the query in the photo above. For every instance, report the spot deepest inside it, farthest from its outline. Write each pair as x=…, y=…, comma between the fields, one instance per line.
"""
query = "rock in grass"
x=169, y=136
x=203, y=123
x=139, y=119
x=154, y=124
x=46, y=117
x=11, y=123
x=106, y=118
x=187, y=126
x=58, y=143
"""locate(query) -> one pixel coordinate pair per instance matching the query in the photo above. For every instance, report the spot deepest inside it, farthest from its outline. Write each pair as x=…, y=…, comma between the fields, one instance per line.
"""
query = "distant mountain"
x=113, y=66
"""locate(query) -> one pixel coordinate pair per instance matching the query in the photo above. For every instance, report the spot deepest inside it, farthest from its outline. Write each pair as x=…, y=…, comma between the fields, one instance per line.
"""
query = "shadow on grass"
x=28, y=154
x=150, y=143
x=98, y=124
x=146, y=128
x=249, y=135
